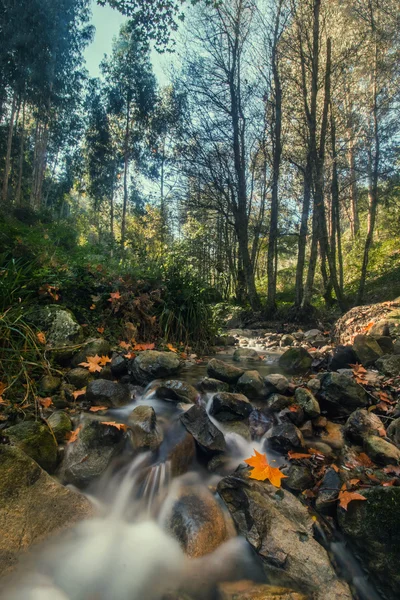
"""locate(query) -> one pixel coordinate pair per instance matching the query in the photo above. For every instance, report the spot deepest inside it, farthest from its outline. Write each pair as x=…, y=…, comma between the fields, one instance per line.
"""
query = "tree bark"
x=7, y=165
x=126, y=169
x=305, y=213
x=21, y=156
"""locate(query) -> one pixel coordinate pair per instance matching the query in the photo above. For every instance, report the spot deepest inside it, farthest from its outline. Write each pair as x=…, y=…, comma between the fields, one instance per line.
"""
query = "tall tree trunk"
x=6, y=174
x=305, y=213
x=21, y=156
x=354, y=216
x=126, y=170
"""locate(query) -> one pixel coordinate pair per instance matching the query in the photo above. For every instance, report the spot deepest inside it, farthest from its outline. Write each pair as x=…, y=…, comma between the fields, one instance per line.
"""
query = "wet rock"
x=320, y=446
x=374, y=529
x=217, y=369
x=380, y=451
x=119, y=365
x=308, y=403
x=386, y=343
x=230, y=407
x=150, y=365
x=278, y=402
x=294, y=414
x=79, y=377
x=36, y=440
x=32, y=505
x=99, y=347
x=286, y=340
x=146, y=434
x=60, y=424
x=251, y=384
x=315, y=337
x=181, y=455
x=248, y=590
x=333, y=435
x=173, y=390
x=49, y=385
x=246, y=355
x=389, y=365
x=340, y=395
x=259, y=423
x=328, y=492
x=107, y=393
x=89, y=456
x=239, y=428
x=314, y=385
x=209, y=385
x=285, y=437
x=360, y=424
x=280, y=530
x=367, y=349
x=197, y=521
x=295, y=360
x=298, y=478
x=393, y=432
x=343, y=357
x=307, y=429
x=276, y=383
x=208, y=437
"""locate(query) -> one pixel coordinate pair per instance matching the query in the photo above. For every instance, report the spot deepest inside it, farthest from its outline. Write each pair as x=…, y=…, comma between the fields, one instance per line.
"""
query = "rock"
x=280, y=530
x=239, y=428
x=95, y=347
x=275, y=382
x=89, y=456
x=307, y=429
x=146, y=434
x=298, y=478
x=294, y=414
x=36, y=440
x=320, y=422
x=119, y=365
x=246, y=355
x=286, y=340
x=225, y=340
x=328, y=492
x=360, y=424
x=197, y=521
x=33, y=505
x=285, y=437
x=181, y=455
x=277, y=402
x=49, y=385
x=209, y=385
x=315, y=337
x=374, y=529
x=343, y=357
x=367, y=350
x=396, y=347
x=102, y=392
x=380, y=451
x=218, y=369
x=340, y=395
x=79, y=377
x=60, y=325
x=248, y=590
x=173, y=390
x=251, y=384
x=230, y=407
x=380, y=328
x=60, y=424
x=386, y=343
x=298, y=336
x=393, y=432
x=208, y=437
x=150, y=365
x=389, y=365
x=320, y=446
x=314, y=385
x=259, y=423
x=295, y=360
x=333, y=436
x=307, y=402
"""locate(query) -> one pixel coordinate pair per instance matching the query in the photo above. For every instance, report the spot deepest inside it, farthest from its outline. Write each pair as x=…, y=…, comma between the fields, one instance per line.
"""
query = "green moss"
x=37, y=441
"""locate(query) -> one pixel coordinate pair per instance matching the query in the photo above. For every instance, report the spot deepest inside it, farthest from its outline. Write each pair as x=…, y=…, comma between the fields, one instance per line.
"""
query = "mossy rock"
x=49, y=385
x=60, y=424
x=98, y=346
x=60, y=325
x=151, y=364
x=295, y=360
x=37, y=441
x=308, y=402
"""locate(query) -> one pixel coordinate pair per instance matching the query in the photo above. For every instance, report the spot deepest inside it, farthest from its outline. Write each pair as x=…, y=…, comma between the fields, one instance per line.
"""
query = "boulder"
x=230, y=407
x=295, y=360
x=180, y=456
x=260, y=423
x=342, y=358
x=99, y=347
x=246, y=355
x=380, y=451
x=89, y=456
x=150, y=365
x=308, y=402
x=285, y=437
x=389, y=365
x=207, y=436
x=240, y=428
x=209, y=385
x=119, y=365
x=33, y=505
x=328, y=492
x=386, y=343
x=146, y=434
x=315, y=337
x=339, y=395
x=37, y=441
x=361, y=424
x=60, y=325
x=393, y=432
x=278, y=402
x=275, y=382
x=173, y=390
x=60, y=424
x=374, y=529
x=251, y=384
x=197, y=521
x=286, y=340
x=299, y=478
x=102, y=392
x=367, y=350
x=49, y=385
x=248, y=590
x=277, y=525
x=217, y=369
x=79, y=377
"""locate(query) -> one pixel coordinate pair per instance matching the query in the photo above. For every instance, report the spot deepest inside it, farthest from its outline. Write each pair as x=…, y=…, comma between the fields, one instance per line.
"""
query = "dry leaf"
x=45, y=402
x=41, y=338
x=130, y=355
x=72, y=436
x=172, y=348
x=92, y=307
x=142, y=347
x=93, y=364
x=262, y=470
x=104, y=360
x=346, y=497
x=298, y=455
x=98, y=408
x=114, y=296
x=100, y=330
x=119, y=426
x=79, y=393
x=124, y=345
x=3, y=388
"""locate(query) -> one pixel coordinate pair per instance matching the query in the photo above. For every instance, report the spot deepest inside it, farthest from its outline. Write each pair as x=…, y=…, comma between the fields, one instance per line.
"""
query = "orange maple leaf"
x=298, y=455
x=262, y=470
x=119, y=426
x=143, y=347
x=100, y=330
x=346, y=497
x=92, y=307
x=130, y=355
x=72, y=436
x=3, y=388
x=114, y=296
x=125, y=345
x=79, y=393
x=172, y=348
x=45, y=402
x=97, y=408
x=93, y=364
x=369, y=326
x=41, y=338
x=104, y=360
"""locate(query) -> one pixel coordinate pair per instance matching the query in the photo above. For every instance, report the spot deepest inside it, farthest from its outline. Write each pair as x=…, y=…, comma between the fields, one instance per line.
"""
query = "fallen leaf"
x=119, y=426
x=130, y=355
x=394, y=470
x=335, y=468
x=298, y=455
x=104, y=360
x=369, y=326
x=41, y=338
x=262, y=470
x=93, y=364
x=79, y=393
x=114, y=296
x=172, y=348
x=72, y=436
x=3, y=387
x=98, y=408
x=100, y=330
x=45, y=402
x=373, y=478
x=143, y=347
x=382, y=432
x=92, y=307
x=346, y=497
x=354, y=481
x=124, y=345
